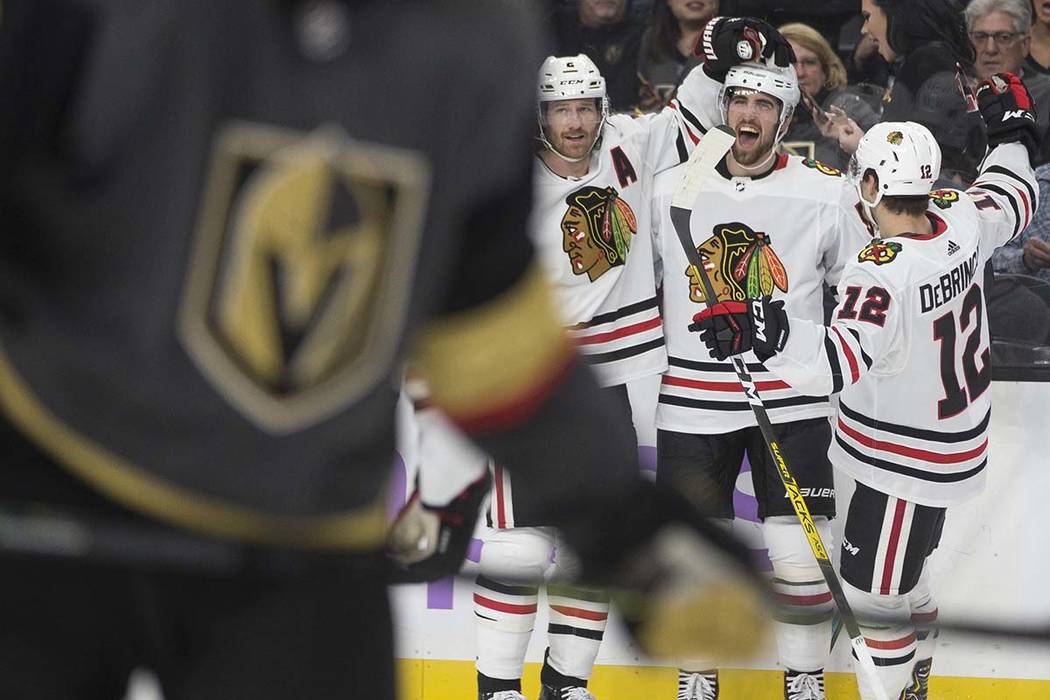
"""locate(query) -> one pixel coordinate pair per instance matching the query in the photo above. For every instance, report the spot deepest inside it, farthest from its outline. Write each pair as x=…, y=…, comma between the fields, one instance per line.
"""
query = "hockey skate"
x=572, y=692
x=502, y=695
x=697, y=686
x=920, y=680
x=803, y=686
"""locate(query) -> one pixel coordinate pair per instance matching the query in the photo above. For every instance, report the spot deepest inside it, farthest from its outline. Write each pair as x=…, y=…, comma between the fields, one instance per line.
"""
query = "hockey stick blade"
x=702, y=164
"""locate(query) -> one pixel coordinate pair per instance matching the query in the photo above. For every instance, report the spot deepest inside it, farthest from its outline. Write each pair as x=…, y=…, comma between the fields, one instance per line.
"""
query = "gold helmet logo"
x=298, y=283
x=895, y=137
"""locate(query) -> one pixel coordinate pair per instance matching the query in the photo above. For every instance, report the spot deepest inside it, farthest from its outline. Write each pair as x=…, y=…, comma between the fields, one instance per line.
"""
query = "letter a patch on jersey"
x=879, y=252
x=300, y=277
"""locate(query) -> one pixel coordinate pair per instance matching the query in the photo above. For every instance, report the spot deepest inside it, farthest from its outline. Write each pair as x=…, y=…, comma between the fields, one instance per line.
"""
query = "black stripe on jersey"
x=740, y=405
x=921, y=474
x=908, y=431
x=1009, y=173
x=833, y=360
x=616, y=315
x=691, y=118
x=525, y=591
x=863, y=355
x=564, y=591
x=575, y=631
x=712, y=366
x=683, y=152
x=1009, y=198
x=599, y=358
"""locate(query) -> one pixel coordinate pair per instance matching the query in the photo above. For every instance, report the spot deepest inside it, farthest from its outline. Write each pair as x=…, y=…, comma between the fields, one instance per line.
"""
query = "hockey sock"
x=577, y=624
x=505, y=615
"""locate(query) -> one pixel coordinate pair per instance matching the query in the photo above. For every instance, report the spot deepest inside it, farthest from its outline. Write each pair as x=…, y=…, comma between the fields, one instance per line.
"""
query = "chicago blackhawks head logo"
x=596, y=230
x=740, y=263
x=879, y=252
x=944, y=198
x=895, y=137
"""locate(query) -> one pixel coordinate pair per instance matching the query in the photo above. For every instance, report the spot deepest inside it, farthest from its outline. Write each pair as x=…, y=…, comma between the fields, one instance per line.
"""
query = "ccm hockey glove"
x=730, y=41
x=1007, y=109
x=734, y=327
x=429, y=542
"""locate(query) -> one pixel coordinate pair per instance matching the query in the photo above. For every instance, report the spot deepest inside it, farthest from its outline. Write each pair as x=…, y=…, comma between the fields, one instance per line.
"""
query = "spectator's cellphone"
x=819, y=115
x=963, y=83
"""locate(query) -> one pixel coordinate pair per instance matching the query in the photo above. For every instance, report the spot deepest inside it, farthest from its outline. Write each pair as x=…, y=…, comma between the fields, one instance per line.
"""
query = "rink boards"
x=992, y=563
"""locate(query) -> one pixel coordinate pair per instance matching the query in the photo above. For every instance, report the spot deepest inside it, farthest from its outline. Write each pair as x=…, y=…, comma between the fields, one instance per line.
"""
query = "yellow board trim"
x=490, y=356
x=429, y=679
x=133, y=487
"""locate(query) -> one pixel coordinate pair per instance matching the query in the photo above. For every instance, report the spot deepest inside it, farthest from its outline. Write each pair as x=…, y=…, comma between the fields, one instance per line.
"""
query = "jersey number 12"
x=977, y=380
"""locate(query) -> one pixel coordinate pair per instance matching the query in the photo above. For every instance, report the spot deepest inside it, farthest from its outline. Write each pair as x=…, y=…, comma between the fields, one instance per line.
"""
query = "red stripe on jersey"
x=632, y=329
x=892, y=546
x=892, y=644
x=504, y=607
x=673, y=104
x=850, y=357
x=580, y=613
x=925, y=455
x=501, y=513
x=1027, y=208
x=818, y=599
x=721, y=386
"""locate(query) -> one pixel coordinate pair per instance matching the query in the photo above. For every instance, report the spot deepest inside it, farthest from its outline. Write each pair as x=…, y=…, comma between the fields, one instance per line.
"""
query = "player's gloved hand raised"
x=683, y=585
x=1008, y=112
x=734, y=327
x=427, y=542
x=730, y=41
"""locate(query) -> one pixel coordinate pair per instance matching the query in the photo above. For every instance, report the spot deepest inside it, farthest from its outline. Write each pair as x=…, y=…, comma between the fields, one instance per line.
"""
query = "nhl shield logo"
x=297, y=288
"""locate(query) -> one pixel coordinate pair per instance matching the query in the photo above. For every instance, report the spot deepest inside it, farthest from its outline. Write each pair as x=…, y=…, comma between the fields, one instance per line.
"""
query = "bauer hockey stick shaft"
x=705, y=158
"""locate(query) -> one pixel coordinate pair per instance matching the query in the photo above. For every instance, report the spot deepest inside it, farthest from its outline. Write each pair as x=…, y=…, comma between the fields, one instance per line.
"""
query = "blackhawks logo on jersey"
x=596, y=230
x=740, y=263
x=821, y=168
x=879, y=252
x=944, y=198
x=300, y=276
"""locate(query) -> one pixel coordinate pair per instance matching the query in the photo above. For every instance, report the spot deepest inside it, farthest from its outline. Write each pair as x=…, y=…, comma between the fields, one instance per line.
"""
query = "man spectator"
x=1000, y=31
x=1039, y=52
x=611, y=36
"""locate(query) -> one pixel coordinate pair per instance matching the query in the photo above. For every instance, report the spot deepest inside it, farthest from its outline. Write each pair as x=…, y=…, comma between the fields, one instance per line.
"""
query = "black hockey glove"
x=730, y=41
x=428, y=542
x=734, y=327
x=1007, y=109
x=682, y=584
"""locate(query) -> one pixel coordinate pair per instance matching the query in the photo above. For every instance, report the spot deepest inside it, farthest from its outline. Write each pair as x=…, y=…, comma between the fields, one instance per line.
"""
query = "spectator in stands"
x=1019, y=300
x=667, y=47
x=924, y=40
x=820, y=76
x=1039, y=52
x=611, y=36
x=999, y=30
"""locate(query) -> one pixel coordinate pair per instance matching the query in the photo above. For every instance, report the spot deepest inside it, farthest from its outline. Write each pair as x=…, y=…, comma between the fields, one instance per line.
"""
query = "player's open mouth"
x=747, y=136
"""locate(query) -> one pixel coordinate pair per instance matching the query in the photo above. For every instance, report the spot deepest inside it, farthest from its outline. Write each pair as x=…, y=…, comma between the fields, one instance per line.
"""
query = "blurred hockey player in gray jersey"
x=227, y=224
x=908, y=353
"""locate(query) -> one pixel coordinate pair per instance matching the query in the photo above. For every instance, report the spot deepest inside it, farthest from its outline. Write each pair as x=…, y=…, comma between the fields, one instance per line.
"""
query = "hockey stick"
x=714, y=146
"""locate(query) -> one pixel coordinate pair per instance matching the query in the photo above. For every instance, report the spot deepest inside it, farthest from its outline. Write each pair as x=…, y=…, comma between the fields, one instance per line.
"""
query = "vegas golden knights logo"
x=301, y=272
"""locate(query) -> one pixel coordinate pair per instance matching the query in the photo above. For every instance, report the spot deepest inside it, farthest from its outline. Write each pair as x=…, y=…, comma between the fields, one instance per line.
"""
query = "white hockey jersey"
x=781, y=234
x=593, y=234
x=908, y=346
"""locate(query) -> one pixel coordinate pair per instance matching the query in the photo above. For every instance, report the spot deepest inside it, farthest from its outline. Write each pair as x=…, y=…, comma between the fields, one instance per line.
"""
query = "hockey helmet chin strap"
x=550, y=147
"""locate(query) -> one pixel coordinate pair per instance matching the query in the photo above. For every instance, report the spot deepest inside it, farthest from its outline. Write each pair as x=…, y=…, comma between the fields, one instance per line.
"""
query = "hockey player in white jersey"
x=767, y=224
x=591, y=227
x=908, y=348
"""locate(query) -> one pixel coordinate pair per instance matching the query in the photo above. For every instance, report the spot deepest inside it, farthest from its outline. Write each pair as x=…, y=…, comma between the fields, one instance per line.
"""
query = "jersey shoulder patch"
x=880, y=252
x=820, y=167
x=944, y=198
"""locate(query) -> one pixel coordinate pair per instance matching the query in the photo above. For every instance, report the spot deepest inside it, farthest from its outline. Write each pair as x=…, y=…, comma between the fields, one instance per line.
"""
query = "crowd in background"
x=860, y=63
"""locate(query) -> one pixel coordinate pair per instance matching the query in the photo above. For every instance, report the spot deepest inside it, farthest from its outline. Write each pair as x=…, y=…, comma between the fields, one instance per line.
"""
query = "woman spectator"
x=667, y=47
x=821, y=75
x=923, y=40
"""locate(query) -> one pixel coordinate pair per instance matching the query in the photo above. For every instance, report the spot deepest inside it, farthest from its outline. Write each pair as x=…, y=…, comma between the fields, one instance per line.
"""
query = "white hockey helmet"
x=904, y=156
x=570, y=78
x=773, y=80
